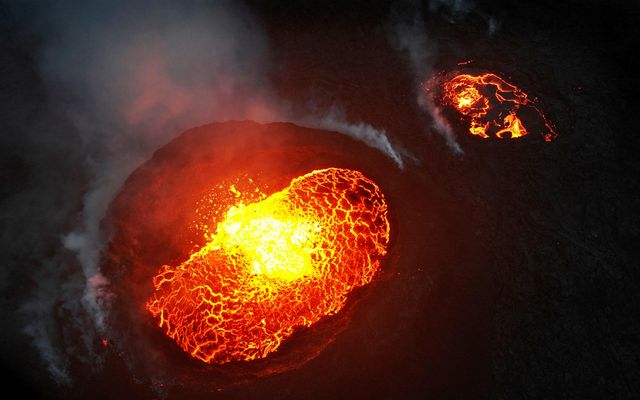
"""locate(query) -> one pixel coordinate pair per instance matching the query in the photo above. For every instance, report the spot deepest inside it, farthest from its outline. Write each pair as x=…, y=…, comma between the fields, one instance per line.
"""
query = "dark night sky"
x=516, y=270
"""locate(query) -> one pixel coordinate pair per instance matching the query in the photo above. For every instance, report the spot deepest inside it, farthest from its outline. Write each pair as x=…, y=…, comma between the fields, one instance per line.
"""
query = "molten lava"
x=493, y=106
x=272, y=264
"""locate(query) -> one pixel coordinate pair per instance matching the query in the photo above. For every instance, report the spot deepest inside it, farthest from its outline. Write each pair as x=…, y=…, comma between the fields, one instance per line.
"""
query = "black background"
x=536, y=295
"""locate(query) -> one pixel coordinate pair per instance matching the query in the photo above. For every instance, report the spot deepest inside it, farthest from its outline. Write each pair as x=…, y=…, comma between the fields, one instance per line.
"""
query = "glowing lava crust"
x=273, y=263
x=492, y=105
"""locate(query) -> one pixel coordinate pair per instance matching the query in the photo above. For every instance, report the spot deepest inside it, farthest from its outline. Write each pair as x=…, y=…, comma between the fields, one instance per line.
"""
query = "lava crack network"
x=492, y=104
x=284, y=261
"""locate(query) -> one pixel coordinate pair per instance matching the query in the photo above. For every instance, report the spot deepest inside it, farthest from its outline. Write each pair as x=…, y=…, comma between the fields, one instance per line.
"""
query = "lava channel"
x=273, y=264
x=493, y=106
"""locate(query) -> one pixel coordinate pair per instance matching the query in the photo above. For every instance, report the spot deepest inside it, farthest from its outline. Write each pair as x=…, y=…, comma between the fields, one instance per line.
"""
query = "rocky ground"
x=513, y=273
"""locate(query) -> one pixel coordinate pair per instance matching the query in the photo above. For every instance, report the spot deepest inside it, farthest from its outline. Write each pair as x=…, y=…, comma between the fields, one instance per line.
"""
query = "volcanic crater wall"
x=152, y=220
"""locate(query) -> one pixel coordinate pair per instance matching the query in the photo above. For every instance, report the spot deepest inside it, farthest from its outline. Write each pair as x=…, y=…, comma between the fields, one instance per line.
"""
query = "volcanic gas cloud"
x=273, y=263
x=493, y=106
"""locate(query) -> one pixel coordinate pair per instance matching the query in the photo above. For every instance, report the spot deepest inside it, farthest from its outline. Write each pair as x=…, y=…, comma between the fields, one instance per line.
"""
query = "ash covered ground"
x=514, y=274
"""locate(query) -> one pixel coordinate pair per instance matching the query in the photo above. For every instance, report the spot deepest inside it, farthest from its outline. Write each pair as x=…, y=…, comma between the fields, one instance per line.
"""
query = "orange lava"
x=493, y=106
x=273, y=264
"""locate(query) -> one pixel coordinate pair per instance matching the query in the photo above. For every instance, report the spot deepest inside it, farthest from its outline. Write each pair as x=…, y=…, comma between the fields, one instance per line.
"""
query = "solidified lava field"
x=509, y=270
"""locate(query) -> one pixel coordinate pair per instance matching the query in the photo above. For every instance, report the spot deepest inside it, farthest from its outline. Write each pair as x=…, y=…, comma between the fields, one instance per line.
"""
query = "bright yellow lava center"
x=467, y=97
x=274, y=240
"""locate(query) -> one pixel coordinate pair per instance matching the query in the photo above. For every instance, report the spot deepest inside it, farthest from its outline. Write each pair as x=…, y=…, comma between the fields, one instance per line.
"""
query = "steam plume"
x=123, y=78
x=409, y=35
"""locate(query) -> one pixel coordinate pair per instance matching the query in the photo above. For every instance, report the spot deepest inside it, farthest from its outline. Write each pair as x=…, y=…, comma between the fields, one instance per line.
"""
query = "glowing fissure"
x=272, y=265
x=492, y=105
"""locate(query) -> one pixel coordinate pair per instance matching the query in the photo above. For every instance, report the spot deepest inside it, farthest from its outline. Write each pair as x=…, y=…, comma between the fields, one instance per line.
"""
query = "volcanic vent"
x=272, y=265
x=493, y=107
x=243, y=249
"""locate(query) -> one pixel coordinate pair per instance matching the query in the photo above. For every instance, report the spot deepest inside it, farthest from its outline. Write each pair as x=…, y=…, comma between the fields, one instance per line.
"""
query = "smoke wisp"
x=127, y=78
x=409, y=35
x=122, y=79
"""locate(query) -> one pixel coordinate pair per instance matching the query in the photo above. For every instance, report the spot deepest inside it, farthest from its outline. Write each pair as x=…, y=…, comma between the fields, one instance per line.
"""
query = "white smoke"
x=440, y=123
x=129, y=76
x=409, y=34
x=43, y=327
x=334, y=120
x=455, y=11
